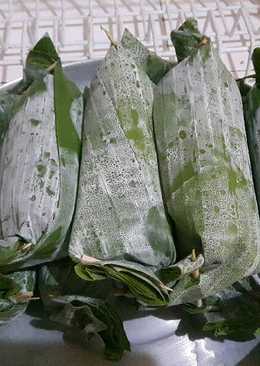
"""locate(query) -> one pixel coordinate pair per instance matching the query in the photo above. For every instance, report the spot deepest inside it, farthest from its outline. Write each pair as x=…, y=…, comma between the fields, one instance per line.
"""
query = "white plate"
x=31, y=340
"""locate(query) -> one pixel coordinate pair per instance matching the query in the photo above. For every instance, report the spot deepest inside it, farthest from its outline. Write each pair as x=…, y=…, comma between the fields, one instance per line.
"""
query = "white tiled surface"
x=75, y=27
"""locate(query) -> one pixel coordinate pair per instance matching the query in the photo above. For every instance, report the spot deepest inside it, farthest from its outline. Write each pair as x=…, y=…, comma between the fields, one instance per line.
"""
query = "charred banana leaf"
x=39, y=161
x=16, y=290
x=205, y=170
x=83, y=306
x=120, y=229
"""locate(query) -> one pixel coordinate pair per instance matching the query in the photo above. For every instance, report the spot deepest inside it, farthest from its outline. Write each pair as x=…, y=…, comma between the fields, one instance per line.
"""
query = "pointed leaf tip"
x=43, y=55
x=186, y=38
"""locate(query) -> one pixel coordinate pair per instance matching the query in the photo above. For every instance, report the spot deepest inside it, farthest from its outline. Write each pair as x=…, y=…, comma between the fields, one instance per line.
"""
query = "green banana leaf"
x=181, y=269
x=154, y=66
x=186, y=39
x=120, y=229
x=234, y=313
x=205, y=170
x=83, y=306
x=140, y=280
x=16, y=290
x=244, y=88
x=251, y=99
x=40, y=147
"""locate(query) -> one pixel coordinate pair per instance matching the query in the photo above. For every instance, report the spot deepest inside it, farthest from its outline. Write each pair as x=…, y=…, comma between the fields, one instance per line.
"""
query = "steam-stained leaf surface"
x=205, y=171
x=40, y=156
x=82, y=305
x=120, y=213
x=7, y=102
x=154, y=66
x=16, y=289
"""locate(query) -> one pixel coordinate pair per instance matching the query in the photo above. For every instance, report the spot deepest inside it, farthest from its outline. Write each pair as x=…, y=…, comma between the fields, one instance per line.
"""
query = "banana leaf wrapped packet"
x=205, y=167
x=16, y=290
x=120, y=229
x=68, y=302
x=39, y=161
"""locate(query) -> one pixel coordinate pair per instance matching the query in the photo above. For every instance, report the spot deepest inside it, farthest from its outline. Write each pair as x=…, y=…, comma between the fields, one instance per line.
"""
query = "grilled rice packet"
x=120, y=228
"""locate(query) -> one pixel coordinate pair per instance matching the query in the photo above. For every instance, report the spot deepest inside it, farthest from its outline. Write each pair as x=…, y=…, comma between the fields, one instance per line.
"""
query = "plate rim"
x=72, y=65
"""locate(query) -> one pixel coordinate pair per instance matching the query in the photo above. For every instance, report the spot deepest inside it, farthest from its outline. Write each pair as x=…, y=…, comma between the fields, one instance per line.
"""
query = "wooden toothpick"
x=109, y=36
x=26, y=296
x=196, y=273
